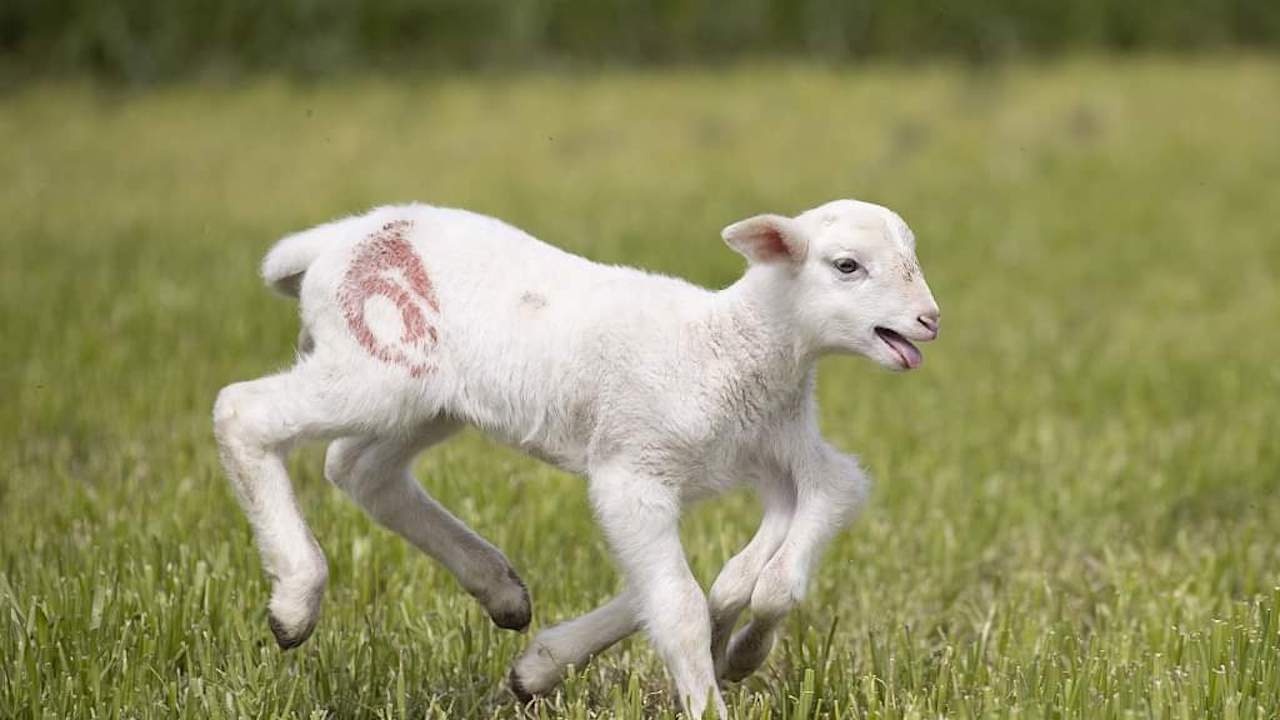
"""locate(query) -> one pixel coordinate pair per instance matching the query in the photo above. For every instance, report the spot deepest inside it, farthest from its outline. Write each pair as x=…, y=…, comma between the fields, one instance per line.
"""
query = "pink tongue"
x=909, y=352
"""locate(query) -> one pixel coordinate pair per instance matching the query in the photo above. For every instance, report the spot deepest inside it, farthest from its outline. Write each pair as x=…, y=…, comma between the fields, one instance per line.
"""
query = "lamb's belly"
x=706, y=472
x=714, y=481
x=555, y=443
x=571, y=458
x=560, y=452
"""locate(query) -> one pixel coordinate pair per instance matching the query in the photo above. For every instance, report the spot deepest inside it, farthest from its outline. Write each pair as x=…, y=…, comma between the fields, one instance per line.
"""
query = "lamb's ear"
x=767, y=238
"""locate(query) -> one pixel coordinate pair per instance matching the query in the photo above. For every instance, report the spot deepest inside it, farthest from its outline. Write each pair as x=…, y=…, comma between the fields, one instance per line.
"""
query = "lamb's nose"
x=930, y=321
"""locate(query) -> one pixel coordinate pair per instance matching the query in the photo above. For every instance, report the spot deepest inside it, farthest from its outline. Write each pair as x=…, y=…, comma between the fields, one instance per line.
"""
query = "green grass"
x=1076, y=512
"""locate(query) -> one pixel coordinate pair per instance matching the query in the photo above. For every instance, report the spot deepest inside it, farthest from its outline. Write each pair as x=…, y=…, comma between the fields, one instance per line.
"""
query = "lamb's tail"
x=287, y=261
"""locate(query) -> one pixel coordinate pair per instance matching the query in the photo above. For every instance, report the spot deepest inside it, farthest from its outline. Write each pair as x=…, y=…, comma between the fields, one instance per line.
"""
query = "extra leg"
x=640, y=517
x=376, y=473
x=255, y=423
x=731, y=592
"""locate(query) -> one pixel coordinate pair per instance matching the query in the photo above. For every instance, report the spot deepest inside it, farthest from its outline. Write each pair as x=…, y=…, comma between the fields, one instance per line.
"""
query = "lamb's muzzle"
x=932, y=322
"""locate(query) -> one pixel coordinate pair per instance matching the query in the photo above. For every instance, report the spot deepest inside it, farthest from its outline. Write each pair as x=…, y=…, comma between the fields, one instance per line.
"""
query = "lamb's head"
x=846, y=276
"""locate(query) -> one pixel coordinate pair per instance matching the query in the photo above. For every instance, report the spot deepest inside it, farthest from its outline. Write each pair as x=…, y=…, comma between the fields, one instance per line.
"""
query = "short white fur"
x=658, y=391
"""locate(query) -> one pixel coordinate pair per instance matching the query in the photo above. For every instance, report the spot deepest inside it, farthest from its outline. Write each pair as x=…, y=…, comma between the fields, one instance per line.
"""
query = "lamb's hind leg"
x=256, y=422
x=375, y=472
x=574, y=642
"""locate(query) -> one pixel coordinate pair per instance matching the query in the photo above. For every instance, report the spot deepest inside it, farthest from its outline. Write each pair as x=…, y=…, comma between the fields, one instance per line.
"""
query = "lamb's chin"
x=888, y=360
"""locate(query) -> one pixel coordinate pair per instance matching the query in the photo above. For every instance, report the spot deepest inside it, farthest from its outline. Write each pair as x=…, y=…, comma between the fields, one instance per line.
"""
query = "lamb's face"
x=860, y=286
x=851, y=272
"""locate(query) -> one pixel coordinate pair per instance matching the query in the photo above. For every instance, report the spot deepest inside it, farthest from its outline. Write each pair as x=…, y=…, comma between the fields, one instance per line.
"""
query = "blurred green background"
x=1076, y=513
x=150, y=40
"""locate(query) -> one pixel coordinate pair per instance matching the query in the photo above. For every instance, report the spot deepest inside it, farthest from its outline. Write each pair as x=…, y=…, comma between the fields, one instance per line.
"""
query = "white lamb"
x=418, y=320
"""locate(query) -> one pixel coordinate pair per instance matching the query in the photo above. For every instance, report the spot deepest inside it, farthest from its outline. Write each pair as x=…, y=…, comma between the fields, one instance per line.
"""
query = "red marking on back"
x=386, y=266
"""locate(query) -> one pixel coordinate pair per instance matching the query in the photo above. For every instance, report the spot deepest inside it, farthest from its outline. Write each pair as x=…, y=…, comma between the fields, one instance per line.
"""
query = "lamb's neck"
x=756, y=317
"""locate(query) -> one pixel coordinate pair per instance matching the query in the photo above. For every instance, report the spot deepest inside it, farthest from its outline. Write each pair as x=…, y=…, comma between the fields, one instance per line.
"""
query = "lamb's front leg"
x=640, y=516
x=831, y=487
x=574, y=642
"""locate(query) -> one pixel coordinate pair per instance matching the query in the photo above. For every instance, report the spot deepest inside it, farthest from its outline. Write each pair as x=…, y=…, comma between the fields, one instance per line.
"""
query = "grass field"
x=1076, y=511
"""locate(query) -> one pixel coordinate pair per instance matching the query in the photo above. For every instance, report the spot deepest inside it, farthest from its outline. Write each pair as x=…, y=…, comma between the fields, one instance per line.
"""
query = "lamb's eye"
x=848, y=266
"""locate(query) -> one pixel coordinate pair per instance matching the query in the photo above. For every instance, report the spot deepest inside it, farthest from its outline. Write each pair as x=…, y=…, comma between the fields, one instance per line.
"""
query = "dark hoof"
x=518, y=621
x=283, y=638
x=517, y=618
x=518, y=689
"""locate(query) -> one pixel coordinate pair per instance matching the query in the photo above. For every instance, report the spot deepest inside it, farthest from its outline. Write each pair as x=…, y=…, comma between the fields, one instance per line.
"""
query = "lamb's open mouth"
x=908, y=354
